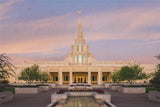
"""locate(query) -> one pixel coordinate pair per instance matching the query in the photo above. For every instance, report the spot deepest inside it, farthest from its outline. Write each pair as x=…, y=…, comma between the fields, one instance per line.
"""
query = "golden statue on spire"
x=79, y=16
x=79, y=12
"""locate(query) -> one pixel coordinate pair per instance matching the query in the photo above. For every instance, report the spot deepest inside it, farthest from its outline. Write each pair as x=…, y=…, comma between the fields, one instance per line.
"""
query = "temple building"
x=80, y=66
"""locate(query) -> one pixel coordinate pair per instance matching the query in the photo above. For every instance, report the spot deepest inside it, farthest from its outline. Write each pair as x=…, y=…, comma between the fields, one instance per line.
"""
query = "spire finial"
x=79, y=16
x=79, y=12
x=80, y=34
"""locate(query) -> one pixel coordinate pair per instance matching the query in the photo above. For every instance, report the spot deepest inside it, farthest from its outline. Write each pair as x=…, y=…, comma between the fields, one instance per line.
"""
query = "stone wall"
x=116, y=88
x=132, y=89
x=45, y=88
x=28, y=90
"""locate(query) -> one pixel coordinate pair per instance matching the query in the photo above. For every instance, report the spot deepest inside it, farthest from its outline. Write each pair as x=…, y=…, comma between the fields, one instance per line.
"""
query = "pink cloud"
x=43, y=45
x=52, y=33
x=5, y=7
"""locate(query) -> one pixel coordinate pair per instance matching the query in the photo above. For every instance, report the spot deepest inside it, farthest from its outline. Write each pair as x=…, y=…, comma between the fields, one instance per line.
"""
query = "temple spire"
x=79, y=16
x=80, y=33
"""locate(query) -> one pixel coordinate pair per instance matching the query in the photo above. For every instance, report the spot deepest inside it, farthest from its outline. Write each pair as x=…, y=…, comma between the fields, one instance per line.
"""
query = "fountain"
x=81, y=102
x=80, y=95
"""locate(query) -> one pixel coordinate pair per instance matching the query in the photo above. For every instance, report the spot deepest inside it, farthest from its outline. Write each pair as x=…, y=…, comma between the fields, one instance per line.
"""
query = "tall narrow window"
x=84, y=59
x=80, y=46
x=75, y=58
x=80, y=58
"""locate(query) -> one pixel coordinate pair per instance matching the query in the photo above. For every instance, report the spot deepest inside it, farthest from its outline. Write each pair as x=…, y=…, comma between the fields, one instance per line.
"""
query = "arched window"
x=92, y=78
x=84, y=59
x=80, y=58
x=66, y=78
x=80, y=47
x=75, y=58
x=56, y=78
x=104, y=76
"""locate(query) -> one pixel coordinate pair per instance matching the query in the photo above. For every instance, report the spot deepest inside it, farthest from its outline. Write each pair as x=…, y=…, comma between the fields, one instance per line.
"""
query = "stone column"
x=60, y=76
x=70, y=77
x=51, y=77
x=89, y=76
x=99, y=76
x=109, y=76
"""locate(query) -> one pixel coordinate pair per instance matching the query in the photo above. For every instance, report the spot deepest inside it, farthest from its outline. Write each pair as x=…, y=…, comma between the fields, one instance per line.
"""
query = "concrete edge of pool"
x=106, y=97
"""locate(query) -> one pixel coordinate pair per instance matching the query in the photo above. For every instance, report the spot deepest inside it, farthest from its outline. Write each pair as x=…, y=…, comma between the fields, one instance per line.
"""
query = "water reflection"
x=81, y=102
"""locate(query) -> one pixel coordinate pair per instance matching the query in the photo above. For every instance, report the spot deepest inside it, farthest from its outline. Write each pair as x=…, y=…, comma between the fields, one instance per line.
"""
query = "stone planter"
x=107, y=85
x=30, y=90
x=116, y=88
x=80, y=87
x=154, y=96
x=45, y=88
x=6, y=97
x=71, y=88
x=53, y=86
x=132, y=89
x=56, y=97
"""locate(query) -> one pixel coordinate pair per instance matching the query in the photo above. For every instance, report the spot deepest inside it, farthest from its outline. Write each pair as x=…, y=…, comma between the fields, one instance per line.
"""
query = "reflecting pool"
x=81, y=102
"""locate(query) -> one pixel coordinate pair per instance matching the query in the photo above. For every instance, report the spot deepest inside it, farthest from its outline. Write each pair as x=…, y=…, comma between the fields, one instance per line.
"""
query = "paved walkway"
x=119, y=99
x=131, y=100
x=37, y=100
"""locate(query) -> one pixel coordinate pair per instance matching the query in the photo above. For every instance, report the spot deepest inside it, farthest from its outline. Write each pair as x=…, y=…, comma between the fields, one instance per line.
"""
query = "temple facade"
x=80, y=66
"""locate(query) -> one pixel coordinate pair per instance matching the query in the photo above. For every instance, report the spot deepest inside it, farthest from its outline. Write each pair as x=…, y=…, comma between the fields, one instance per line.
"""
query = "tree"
x=132, y=73
x=156, y=76
x=30, y=74
x=44, y=77
x=6, y=67
x=158, y=56
x=6, y=70
x=115, y=77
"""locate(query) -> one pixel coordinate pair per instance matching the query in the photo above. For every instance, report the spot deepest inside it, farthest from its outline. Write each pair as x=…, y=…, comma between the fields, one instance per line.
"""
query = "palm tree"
x=6, y=67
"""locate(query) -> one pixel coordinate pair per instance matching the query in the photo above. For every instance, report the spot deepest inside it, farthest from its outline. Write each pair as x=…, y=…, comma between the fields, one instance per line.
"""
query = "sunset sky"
x=115, y=30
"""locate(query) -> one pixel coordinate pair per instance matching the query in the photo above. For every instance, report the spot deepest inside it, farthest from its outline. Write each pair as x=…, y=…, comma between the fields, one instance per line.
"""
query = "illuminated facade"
x=79, y=66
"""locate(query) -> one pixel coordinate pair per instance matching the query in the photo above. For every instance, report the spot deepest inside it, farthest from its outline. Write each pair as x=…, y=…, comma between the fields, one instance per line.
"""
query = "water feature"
x=81, y=102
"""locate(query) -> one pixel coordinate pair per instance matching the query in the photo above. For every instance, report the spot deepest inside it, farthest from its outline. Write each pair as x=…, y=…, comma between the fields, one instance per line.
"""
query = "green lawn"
x=10, y=89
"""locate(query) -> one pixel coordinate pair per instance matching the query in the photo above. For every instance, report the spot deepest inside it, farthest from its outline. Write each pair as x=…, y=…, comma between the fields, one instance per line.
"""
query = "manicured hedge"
x=28, y=86
x=22, y=86
x=151, y=89
x=136, y=85
x=10, y=89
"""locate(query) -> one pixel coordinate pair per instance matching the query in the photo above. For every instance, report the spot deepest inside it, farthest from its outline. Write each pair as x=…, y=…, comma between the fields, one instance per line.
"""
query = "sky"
x=115, y=30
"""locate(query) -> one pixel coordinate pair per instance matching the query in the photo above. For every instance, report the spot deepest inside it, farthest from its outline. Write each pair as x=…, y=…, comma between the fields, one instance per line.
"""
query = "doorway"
x=80, y=77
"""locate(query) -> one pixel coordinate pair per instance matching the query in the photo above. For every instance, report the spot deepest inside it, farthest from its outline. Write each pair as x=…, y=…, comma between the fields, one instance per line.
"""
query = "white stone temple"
x=80, y=66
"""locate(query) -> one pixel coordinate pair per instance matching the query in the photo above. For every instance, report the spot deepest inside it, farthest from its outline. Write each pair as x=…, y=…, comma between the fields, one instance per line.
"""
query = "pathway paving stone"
x=37, y=100
x=131, y=100
x=118, y=99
